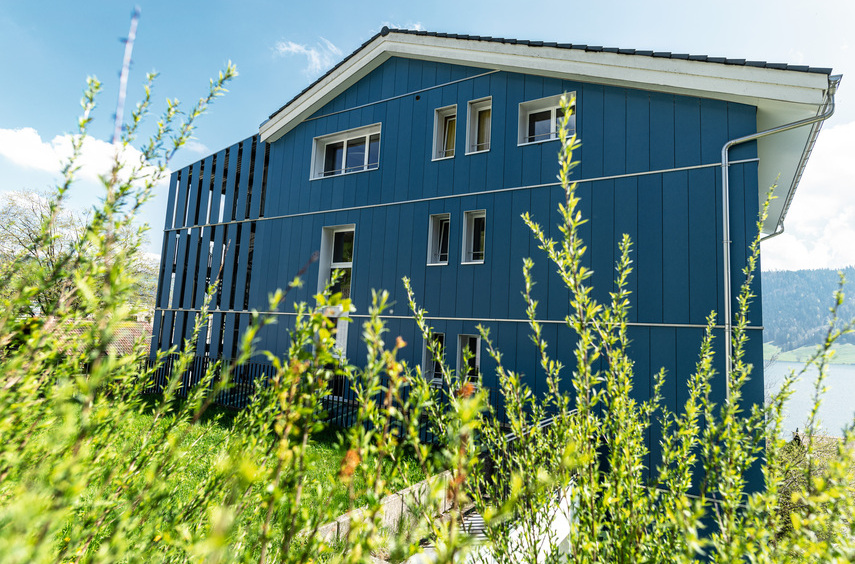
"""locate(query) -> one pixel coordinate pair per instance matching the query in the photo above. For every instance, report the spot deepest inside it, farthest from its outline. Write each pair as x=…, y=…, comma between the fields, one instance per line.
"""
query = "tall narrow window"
x=354, y=150
x=469, y=356
x=432, y=365
x=479, y=125
x=438, y=237
x=541, y=119
x=444, y=132
x=342, y=261
x=337, y=250
x=474, y=236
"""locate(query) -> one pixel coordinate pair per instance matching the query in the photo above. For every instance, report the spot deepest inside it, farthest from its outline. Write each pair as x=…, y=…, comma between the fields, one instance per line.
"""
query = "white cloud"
x=820, y=225
x=196, y=147
x=25, y=148
x=320, y=57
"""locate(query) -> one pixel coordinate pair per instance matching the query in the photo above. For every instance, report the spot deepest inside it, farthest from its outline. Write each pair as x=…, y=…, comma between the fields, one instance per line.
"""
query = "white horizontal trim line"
x=467, y=194
x=404, y=95
x=469, y=319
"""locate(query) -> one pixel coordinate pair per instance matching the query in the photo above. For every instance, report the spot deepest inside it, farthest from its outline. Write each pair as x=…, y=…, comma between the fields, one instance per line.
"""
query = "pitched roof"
x=589, y=48
x=781, y=93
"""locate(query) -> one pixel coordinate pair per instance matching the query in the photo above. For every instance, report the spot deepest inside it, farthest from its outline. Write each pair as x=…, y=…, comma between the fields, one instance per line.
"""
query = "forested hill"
x=795, y=305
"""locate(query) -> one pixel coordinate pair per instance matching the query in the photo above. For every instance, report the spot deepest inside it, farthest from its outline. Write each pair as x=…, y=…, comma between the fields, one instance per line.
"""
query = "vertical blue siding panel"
x=183, y=189
x=205, y=191
x=229, y=198
x=520, y=248
x=391, y=267
x=541, y=212
x=192, y=267
x=638, y=144
x=662, y=355
x=626, y=221
x=513, y=154
x=601, y=247
x=228, y=268
x=590, y=123
x=201, y=281
x=650, y=263
x=687, y=118
x=703, y=245
x=170, y=200
x=423, y=279
x=642, y=381
x=675, y=247
x=503, y=132
x=614, y=130
x=193, y=194
x=167, y=270
x=257, y=179
x=661, y=131
x=502, y=220
x=713, y=130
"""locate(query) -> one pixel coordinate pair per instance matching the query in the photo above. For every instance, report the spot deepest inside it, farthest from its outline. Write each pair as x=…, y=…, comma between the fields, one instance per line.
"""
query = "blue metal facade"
x=649, y=168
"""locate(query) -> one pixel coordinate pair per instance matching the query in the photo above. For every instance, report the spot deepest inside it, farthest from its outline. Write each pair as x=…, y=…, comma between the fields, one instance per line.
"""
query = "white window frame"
x=428, y=361
x=439, y=119
x=461, y=340
x=319, y=145
x=435, y=238
x=475, y=107
x=325, y=268
x=551, y=104
x=469, y=233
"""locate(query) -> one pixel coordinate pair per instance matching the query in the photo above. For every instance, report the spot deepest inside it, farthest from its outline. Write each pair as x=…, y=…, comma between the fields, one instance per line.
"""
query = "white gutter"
x=833, y=82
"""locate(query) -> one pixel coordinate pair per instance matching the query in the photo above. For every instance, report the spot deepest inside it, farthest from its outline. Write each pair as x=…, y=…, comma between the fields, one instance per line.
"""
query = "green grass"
x=205, y=443
x=843, y=354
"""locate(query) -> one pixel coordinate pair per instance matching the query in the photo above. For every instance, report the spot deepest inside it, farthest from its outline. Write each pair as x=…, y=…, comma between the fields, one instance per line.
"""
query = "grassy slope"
x=844, y=354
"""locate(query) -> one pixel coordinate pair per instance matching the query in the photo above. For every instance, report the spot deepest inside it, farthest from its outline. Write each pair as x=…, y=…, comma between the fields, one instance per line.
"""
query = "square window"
x=438, y=237
x=469, y=356
x=432, y=366
x=444, y=132
x=478, y=125
x=540, y=120
x=474, y=236
x=354, y=150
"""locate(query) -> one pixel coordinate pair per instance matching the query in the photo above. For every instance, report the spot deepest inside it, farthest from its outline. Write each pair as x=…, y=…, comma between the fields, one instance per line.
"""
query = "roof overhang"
x=780, y=95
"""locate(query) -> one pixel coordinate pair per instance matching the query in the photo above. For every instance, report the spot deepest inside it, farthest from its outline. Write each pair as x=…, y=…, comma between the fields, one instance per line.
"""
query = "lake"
x=838, y=403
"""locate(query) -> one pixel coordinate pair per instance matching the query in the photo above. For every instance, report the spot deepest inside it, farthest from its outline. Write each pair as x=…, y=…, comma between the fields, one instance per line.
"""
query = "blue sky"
x=48, y=48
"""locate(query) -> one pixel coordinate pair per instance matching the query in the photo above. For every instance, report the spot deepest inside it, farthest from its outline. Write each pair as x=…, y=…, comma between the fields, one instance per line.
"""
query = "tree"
x=25, y=215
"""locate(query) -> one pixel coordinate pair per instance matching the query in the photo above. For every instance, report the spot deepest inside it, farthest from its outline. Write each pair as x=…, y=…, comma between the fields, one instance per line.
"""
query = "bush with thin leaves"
x=558, y=477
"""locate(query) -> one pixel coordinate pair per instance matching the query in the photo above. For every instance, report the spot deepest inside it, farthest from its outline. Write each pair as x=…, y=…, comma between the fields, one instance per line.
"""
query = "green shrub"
x=79, y=483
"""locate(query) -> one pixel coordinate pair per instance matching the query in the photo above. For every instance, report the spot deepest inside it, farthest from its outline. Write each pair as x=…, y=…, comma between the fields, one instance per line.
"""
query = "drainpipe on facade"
x=828, y=110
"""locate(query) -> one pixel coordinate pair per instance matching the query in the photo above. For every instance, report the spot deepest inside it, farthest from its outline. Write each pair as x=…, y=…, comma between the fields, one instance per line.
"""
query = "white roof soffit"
x=778, y=94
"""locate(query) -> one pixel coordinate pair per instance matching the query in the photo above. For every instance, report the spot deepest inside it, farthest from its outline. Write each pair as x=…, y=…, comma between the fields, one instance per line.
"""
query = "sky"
x=48, y=48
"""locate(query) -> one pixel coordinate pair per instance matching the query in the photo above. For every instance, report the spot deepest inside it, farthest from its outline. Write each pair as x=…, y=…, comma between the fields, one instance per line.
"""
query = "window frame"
x=551, y=104
x=464, y=338
x=363, y=133
x=326, y=265
x=435, y=240
x=469, y=218
x=439, y=148
x=474, y=109
x=429, y=362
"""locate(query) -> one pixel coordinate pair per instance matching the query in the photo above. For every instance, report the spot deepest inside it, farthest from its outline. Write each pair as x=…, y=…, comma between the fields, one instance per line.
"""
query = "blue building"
x=416, y=155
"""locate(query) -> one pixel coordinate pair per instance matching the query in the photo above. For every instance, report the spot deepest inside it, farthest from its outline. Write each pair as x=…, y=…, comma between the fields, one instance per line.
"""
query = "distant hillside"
x=795, y=305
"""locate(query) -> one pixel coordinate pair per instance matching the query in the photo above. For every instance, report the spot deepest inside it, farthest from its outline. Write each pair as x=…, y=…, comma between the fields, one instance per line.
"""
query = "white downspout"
x=833, y=82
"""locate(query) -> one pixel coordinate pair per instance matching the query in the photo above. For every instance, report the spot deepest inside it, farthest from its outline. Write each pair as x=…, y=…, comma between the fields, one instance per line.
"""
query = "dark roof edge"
x=658, y=54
